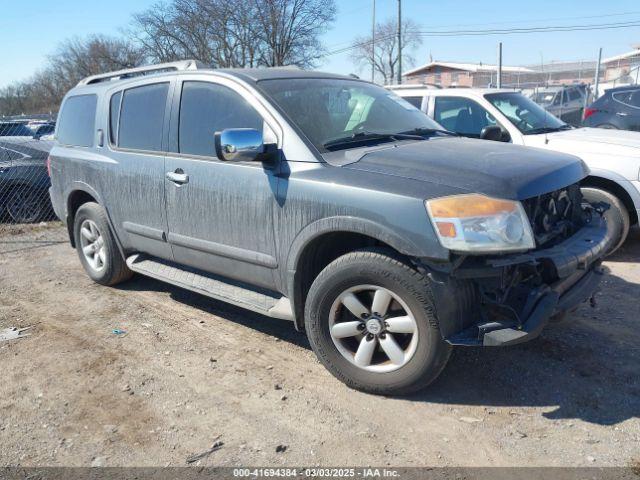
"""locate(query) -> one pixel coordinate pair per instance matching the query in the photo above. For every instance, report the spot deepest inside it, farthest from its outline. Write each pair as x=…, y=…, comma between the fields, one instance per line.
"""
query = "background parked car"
x=506, y=115
x=618, y=108
x=24, y=181
x=565, y=102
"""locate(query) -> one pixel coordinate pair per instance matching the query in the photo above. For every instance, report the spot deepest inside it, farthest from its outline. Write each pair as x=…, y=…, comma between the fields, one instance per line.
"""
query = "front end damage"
x=499, y=300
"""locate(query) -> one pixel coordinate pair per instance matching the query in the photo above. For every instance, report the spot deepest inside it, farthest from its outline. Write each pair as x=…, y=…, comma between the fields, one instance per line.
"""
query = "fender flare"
x=335, y=224
x=88, y=189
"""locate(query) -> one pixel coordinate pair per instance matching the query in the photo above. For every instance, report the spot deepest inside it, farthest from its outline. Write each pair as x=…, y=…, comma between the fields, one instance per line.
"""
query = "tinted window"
x=142, y=117
x=76, y=122
x=462, y=115
x=415, y=101
x=630, y=98
x=206, y=108
x=14, y=130
x=114, y=113
x=574, y=94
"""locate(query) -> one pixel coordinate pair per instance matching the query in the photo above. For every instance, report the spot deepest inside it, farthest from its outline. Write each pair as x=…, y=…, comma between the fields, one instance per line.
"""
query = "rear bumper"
x=558, y=279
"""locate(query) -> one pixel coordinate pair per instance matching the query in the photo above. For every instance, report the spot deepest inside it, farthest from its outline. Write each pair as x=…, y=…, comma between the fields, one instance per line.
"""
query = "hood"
x=476, y=166
x=590, y=140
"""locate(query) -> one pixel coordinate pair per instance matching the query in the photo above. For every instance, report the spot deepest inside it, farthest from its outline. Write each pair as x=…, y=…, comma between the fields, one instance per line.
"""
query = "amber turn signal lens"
x=473, y=205
x=446, y=229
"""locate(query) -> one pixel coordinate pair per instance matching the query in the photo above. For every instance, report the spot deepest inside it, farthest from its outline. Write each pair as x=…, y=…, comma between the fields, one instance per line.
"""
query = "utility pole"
x=399, y=42
x=595, y=91
x=499, y=79
x=373, y=43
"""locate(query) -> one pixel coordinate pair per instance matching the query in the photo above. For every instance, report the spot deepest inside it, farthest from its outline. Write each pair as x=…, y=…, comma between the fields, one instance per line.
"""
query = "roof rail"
x=141, y=71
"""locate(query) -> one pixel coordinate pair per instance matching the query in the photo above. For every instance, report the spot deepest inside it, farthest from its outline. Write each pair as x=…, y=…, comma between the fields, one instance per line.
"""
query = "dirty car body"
x=347, y=172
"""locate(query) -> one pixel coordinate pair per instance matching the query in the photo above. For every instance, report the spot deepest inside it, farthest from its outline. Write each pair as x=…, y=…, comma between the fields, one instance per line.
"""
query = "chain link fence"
x=27, y=219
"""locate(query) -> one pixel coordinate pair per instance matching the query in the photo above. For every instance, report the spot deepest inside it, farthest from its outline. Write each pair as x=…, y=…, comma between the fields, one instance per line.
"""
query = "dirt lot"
x=190, y=372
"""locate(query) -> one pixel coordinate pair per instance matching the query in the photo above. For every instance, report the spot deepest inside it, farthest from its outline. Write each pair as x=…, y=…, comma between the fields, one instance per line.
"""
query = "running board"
x=214, y=286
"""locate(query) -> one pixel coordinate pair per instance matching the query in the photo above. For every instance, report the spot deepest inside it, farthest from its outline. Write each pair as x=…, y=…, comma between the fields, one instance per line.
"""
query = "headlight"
x=477, y=223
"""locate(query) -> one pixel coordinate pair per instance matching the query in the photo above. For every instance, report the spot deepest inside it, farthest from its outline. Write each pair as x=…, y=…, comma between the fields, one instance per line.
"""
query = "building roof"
x=623, y=56
x=469, y=67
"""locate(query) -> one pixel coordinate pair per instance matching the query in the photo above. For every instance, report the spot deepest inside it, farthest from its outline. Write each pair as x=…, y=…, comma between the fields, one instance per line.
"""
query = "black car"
x=618, y=108
x=24, y=181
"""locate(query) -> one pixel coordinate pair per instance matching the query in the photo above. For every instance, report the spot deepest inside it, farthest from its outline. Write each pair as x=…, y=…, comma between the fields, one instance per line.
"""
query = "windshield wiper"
x=535, y=131
x=364, y=136
x=423, y=131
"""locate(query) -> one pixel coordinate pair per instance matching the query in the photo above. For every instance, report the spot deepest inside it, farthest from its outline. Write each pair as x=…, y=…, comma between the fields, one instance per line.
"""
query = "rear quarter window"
x=77, y=119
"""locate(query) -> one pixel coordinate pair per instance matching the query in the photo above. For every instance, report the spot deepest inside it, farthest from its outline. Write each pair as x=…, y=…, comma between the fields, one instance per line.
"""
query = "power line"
x=489, y=32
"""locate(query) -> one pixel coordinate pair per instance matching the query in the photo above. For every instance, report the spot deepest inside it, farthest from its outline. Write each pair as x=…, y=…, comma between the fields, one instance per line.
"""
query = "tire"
x=380, y=270
x=617, y=216
x=103, y=263
x=27, y=205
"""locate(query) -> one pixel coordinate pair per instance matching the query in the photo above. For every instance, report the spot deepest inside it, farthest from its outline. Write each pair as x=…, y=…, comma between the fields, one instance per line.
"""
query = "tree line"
x=219, y=33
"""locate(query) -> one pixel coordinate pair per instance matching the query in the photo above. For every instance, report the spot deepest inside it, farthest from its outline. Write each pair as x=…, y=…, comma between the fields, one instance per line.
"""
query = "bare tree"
x=235, y=33
x=73, y=60
x=385, y=54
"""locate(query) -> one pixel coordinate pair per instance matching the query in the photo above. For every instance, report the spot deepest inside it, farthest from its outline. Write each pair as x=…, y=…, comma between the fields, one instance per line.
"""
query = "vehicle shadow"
x=586, y=367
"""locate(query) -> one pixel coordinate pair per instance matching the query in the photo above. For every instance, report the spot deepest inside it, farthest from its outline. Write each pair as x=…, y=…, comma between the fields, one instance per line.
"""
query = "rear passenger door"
x=138, y=122
x=221, y=218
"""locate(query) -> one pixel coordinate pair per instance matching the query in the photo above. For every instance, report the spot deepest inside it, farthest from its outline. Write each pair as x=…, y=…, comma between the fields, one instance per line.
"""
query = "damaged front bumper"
x=505, y=300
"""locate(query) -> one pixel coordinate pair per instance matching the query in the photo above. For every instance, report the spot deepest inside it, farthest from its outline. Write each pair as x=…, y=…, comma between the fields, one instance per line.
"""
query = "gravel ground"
x=190, y=372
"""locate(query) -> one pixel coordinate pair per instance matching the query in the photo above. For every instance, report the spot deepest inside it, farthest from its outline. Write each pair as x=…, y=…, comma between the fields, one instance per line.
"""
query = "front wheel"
x=370, y=320
x=617, y=216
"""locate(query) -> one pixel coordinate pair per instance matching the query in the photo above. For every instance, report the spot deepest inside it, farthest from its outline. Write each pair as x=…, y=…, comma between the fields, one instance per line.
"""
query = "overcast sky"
x=30, y=30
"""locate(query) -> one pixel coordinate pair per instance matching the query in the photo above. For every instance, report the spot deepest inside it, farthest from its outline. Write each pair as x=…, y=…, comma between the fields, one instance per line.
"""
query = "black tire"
x=617, y=216
x=114, y=268
x=383, y=269
x=27, y=205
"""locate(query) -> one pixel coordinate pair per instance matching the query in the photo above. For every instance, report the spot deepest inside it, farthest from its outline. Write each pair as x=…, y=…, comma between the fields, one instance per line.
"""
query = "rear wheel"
x=97, y=247
x=617, y=216
x=27, y=205
x=370, y=320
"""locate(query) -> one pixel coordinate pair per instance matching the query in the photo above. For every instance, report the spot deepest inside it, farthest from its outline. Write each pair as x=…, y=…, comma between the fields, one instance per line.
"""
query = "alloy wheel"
x=373, y=328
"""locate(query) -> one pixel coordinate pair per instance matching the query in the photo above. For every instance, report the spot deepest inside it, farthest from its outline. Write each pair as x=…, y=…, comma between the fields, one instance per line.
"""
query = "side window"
x=558, y=99
x=630, y=98
x=206, y=108
x=462, y=115
x=114, y=115
x=76, y=122
x=142, y=117
x=415, y=101
x=574, y=94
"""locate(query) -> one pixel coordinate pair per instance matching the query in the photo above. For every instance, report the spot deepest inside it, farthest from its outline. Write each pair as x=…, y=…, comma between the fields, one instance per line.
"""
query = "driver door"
x=219, y=214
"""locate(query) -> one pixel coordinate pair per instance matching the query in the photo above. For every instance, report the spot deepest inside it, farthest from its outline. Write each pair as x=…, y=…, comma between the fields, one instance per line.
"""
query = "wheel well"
x=76, y=199
x=319, y=253
x=615, y=189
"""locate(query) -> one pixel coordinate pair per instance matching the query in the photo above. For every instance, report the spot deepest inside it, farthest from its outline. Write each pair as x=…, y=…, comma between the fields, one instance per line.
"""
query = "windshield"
x=330, y=110
x=529, y=117
x=14, y=130
x=544, y=97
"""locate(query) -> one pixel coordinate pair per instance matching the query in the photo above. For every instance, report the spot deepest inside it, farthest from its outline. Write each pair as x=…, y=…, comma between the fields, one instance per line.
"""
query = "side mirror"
x=240, y=144
x=492, y=132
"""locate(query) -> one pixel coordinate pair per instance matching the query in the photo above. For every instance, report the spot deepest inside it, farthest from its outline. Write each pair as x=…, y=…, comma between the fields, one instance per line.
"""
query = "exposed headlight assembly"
x=476, y=223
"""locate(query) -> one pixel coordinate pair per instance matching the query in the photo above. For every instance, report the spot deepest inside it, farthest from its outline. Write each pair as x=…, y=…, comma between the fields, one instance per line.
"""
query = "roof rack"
x=141, y=71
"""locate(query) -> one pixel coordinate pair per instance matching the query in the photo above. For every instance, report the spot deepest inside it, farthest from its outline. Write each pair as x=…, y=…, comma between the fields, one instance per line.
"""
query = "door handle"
x=178, y=177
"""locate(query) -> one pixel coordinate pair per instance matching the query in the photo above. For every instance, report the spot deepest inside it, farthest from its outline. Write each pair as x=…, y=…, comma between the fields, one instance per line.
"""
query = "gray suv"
x=327, y=201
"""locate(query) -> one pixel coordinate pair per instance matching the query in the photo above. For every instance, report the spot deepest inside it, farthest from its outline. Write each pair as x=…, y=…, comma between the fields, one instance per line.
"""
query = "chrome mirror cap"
x=239, y=144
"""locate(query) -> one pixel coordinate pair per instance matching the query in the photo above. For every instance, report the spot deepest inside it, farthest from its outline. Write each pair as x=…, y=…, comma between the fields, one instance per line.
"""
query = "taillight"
x=588, y=112
x=49, y=165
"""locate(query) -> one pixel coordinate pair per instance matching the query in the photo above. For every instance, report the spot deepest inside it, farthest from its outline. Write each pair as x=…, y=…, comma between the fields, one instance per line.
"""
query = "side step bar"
x=214, y=286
